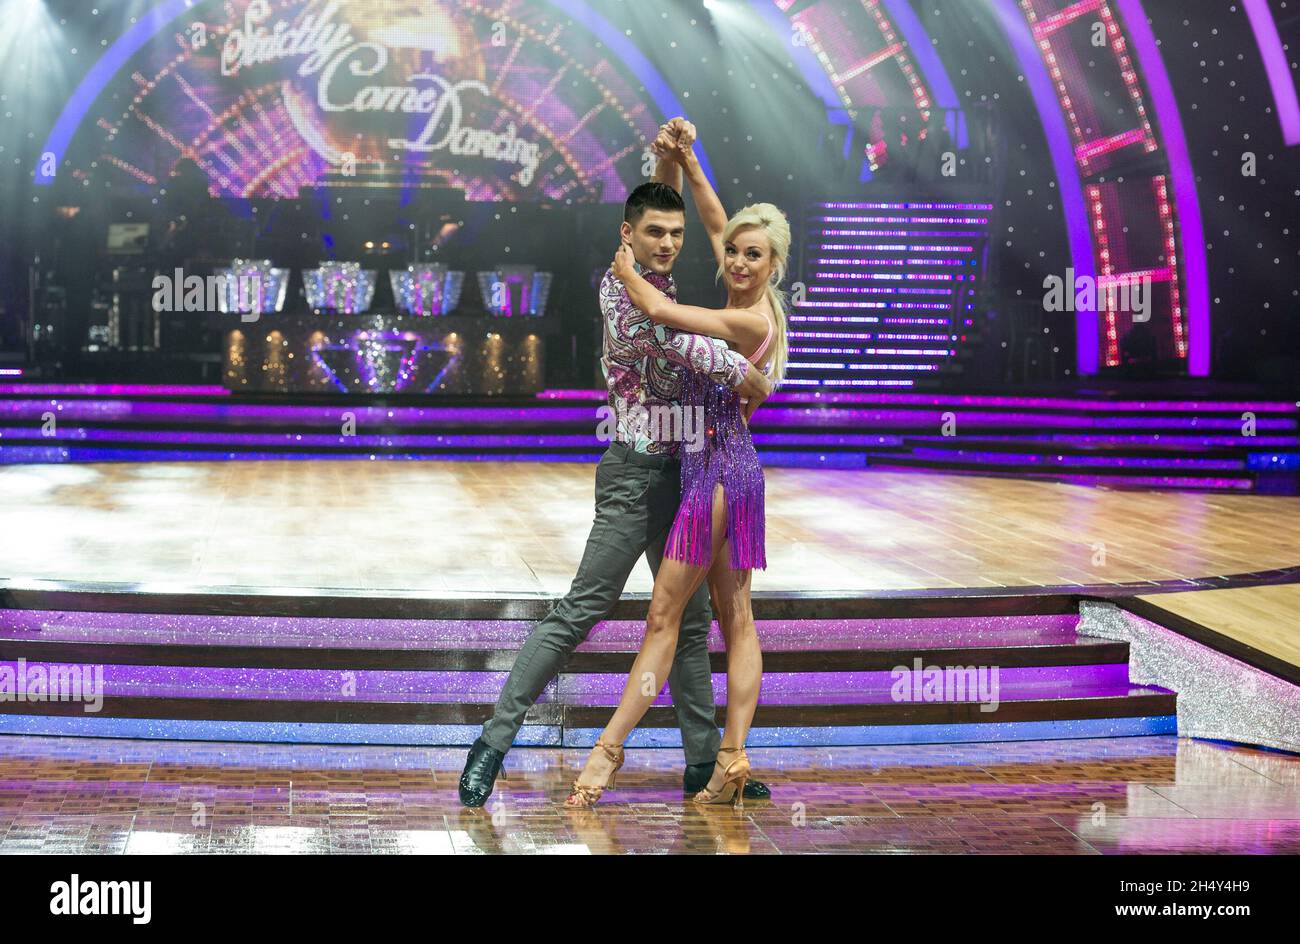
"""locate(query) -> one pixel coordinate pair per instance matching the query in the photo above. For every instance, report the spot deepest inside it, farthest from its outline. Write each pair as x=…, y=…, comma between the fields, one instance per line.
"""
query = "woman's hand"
x=624, y=264
x=641, y=293
x=755, y=388
x=675, y=141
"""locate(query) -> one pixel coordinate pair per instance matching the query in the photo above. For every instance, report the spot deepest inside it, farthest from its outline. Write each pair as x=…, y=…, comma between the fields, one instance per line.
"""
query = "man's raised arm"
x=668, y=170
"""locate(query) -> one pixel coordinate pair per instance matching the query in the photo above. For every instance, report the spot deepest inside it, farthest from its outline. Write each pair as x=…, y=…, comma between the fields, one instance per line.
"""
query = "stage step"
x=1229, y=444
x=436, y=680
x=1102, y=702
x=255, y=642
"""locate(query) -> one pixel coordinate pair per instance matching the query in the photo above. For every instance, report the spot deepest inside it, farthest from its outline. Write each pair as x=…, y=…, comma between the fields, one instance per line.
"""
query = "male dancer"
x=638, y=489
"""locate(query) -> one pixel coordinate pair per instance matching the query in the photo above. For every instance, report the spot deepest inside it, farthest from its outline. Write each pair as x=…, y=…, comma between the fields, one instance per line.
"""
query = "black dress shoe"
x=697, y=777
x=480, y=774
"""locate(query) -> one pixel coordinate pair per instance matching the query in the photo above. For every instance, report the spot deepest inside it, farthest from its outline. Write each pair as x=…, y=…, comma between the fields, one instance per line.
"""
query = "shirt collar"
x=654, y=278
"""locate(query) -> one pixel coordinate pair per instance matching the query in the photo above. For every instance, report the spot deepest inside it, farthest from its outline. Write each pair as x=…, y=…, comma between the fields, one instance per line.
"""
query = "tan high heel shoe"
x=733, y=781
x=587, y=796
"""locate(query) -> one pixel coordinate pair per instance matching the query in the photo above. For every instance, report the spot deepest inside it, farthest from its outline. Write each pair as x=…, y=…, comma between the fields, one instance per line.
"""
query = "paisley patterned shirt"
x=643, y=362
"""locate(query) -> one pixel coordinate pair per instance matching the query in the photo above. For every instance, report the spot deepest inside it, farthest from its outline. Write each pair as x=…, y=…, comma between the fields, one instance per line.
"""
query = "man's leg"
x=691, y=680
x=618, y=538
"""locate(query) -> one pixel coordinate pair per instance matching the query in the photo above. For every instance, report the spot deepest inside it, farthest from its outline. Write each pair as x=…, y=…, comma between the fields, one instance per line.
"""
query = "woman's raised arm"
x=676, y=140
x=712, y=214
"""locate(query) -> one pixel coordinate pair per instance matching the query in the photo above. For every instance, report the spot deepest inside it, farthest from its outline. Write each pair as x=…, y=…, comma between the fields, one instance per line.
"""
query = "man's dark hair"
x=652, y=196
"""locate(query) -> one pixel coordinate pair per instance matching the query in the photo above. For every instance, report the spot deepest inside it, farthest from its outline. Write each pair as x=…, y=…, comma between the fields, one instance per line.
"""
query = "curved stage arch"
x=1165, y=205
x=1032, y=27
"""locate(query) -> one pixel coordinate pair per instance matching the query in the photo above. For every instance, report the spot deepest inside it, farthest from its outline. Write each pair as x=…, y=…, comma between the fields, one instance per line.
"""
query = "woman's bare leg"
x=674, y=586
x=730, y=590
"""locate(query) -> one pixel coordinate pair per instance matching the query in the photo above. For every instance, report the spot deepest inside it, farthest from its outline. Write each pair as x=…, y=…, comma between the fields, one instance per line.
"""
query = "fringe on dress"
x=728, y=456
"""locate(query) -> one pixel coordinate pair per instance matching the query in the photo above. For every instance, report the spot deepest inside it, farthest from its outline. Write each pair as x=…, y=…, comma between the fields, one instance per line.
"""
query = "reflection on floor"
x=1116, y=795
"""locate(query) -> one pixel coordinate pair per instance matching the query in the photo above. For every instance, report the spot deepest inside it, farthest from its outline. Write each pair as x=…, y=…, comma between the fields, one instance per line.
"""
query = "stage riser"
x=823, y=455
x=26, y=420
x=142, y=437
x=123, y=609
x=553, y=736
x=1156, y=703
x=369, y=680
x=429, y=689
x=580, y=449
x=267, y=658
x=1168, y=444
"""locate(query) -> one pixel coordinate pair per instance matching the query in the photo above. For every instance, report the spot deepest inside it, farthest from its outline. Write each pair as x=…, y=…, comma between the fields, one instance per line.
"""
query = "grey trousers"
x=636, y=500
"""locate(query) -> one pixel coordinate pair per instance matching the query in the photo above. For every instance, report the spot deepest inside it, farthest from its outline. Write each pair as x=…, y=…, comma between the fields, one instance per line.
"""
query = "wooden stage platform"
x=486, y=528
x=383, y=602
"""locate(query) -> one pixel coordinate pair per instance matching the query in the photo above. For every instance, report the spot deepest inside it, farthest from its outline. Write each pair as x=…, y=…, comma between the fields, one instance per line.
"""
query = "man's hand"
x=682, y=131
x=753, y=390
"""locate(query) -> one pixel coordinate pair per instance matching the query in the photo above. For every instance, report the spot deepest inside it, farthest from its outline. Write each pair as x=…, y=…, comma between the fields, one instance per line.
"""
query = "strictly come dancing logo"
x=352, y=62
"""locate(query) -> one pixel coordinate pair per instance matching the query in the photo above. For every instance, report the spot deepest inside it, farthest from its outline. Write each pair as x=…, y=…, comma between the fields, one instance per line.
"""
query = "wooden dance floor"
x=1159, y=794
x=520, y=527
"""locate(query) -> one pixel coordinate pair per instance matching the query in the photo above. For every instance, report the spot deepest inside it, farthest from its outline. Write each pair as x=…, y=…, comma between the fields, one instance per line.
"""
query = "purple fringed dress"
x=728, y=456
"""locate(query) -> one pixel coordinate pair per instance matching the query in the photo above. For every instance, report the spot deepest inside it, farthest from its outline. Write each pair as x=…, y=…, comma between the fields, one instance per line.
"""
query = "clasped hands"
x=675, y=141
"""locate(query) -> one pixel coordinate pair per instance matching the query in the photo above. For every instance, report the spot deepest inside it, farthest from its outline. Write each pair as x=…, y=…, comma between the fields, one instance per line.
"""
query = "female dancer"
x=718, y=533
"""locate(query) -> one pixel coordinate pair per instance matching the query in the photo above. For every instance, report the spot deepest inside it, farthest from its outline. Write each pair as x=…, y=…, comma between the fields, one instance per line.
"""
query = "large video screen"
x=512, y=102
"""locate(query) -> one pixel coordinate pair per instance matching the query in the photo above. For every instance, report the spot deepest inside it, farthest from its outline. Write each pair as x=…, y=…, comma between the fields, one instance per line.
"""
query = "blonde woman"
x=718, y=534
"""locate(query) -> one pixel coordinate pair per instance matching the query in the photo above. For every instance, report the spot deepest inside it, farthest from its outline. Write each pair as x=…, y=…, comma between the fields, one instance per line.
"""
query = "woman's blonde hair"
x=773, y=222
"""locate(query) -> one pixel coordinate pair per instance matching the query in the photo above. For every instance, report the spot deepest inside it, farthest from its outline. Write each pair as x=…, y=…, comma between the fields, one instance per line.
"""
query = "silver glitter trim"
x=1219, y=697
